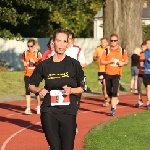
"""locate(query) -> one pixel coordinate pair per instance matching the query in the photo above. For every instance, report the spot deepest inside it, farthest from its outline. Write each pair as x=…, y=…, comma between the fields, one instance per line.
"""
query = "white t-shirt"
x=73, y=52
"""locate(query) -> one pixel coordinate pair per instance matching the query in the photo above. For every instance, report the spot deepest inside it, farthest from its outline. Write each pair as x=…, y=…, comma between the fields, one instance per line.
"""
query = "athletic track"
x=23, y=132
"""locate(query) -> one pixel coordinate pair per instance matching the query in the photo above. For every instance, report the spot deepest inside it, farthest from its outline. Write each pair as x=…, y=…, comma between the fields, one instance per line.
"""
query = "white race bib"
x=115, y=63
x=58, y=97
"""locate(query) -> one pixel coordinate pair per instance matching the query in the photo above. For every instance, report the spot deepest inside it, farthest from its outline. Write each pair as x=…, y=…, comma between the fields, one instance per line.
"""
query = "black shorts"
x=102, y=74
x=146, y=79
x=112, y=84
x=140, y=75
x=26, y=81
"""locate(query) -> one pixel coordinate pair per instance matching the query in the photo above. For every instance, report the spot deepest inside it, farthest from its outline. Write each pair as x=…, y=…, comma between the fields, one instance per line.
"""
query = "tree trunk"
x=124, y=17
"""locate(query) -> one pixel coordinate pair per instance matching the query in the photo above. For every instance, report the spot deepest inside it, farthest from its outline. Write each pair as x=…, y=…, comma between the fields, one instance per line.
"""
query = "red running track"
x=19, y=131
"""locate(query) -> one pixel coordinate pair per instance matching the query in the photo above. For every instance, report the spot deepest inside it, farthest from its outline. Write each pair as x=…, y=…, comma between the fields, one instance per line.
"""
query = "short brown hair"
x=113, y=35
x=60, y=31
x=143, y=44
x=147, y=40
x=104, y=39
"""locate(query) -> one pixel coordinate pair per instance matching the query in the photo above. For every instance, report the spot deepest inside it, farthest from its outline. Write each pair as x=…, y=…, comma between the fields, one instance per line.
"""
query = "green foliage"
x=17, y=12
x=32, y=18
x=77, y=15
x=146, y=32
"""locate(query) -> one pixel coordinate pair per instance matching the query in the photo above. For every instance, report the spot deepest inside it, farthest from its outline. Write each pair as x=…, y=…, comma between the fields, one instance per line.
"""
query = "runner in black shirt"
x=63, y=77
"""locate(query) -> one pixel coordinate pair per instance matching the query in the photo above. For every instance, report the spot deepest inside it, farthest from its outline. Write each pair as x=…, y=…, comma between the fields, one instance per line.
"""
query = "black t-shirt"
x=57, y=74
x=135, y=59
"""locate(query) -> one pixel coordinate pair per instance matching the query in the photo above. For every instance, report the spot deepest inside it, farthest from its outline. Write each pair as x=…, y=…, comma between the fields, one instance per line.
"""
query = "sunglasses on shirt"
x=113, y=40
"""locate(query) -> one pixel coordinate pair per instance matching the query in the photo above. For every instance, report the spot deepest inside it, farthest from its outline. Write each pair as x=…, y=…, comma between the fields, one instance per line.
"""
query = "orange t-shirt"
x=98, y=53
x=142, y=57
x=35, y=56
x=113, y=68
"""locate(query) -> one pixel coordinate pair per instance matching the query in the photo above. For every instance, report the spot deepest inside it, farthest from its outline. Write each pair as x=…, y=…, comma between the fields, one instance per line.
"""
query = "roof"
x=145, y=13
x=99, y=14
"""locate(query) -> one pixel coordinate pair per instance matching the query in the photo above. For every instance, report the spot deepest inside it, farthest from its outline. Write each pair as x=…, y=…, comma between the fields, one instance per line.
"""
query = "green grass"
x=12, y=83
x=131, y=132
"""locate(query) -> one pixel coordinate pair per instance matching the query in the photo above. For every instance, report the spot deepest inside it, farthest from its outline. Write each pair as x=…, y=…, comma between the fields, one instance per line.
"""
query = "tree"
x=77, y=15
x=146, y=32
x=32, y=18
x=18, y=12
x=123, y=17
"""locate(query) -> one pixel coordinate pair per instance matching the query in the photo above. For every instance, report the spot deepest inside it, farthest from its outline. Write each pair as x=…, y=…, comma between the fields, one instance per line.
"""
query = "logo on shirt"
x=58, y=75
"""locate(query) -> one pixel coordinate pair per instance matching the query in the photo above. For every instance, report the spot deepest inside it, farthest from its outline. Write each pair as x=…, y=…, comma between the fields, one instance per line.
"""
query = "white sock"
x=28, y=108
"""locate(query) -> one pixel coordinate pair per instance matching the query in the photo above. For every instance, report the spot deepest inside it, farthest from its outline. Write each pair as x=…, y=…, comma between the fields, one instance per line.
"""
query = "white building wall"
x=146, y=22
x=98, y=28
x=11, y=50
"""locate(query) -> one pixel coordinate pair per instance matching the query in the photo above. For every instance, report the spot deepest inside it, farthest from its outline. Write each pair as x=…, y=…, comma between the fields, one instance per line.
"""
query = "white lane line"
x=13, y=135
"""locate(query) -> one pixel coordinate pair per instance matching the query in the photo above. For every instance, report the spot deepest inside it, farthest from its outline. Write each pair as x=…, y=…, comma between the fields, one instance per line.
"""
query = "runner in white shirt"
x=75, y=51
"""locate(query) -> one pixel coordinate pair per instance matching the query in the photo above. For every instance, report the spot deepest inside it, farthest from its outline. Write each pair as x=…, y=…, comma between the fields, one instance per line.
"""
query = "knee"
x=114, y=94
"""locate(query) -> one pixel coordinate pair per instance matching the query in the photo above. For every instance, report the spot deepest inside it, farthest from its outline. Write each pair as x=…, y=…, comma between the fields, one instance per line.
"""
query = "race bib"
x=58, y=97
x=30, y=65
x=115, y=63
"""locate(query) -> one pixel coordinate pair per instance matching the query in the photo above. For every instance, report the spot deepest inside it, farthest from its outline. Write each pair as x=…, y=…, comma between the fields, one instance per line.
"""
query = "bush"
x=146, y=32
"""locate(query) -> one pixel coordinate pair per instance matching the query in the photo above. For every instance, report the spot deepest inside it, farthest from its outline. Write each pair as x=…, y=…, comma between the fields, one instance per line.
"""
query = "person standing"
x=140, y=75
x=114, y=58
x=135, y=59
x=146, y=76
x=63, y=77
x=101, y=68
x=30, y=59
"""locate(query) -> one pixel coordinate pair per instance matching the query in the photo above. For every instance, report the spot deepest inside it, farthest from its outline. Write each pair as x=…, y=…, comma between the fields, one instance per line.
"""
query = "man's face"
x=60, y=43
x=114, y=41
x=148, y=45
x=104, y=43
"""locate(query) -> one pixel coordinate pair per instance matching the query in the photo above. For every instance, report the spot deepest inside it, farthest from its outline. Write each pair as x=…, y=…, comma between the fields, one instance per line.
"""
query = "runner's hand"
x=120, y=63
x=42, y=92
x=31, y=60
x=25, y=64
x=112, y=60
x=67, y=90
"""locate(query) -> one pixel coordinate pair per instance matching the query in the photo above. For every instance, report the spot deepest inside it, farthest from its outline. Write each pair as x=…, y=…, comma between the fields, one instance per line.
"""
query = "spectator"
x=135, y=59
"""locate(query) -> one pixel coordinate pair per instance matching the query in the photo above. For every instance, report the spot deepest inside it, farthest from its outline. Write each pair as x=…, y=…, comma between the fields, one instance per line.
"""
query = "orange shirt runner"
x=98, y=53
x=142, y=58
x=36, y=57
x=114, y=69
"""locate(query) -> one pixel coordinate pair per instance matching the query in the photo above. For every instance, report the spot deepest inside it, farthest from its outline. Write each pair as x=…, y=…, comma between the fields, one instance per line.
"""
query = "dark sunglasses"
x=30, y=46
x=113, y=40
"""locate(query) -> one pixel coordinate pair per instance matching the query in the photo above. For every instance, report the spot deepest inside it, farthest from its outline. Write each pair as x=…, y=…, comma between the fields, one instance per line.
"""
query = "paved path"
x=19, y=131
